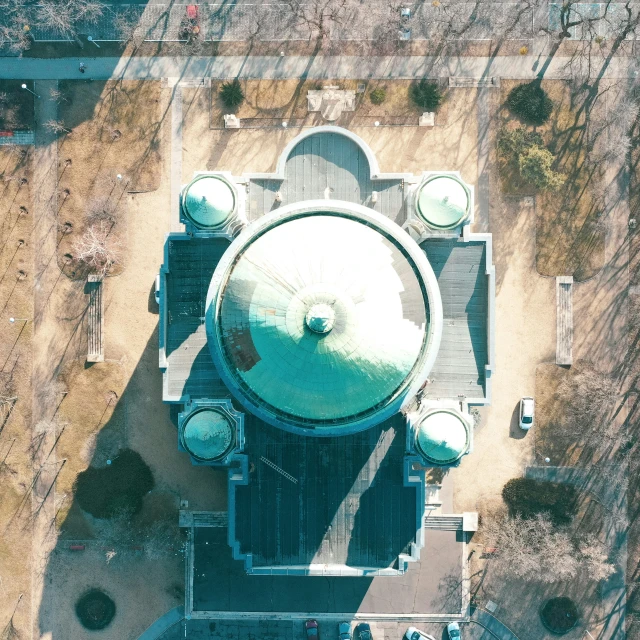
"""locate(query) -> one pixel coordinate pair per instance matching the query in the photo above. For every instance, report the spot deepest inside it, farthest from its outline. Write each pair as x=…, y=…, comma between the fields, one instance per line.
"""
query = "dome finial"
x=320, y=318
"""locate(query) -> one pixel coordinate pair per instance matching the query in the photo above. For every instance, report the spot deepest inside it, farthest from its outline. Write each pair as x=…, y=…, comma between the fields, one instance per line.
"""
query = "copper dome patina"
x=443, y=201
x=208, y=434
x=324, y=318
x=208, y=202
x=442, y=436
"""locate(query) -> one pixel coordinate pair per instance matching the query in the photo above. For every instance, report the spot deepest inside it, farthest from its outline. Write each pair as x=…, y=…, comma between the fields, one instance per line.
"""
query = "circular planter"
x=559, y=615
x=95, y=610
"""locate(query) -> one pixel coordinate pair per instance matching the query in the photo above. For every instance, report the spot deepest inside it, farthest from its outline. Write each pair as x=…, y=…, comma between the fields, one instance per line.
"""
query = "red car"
x=311, y=627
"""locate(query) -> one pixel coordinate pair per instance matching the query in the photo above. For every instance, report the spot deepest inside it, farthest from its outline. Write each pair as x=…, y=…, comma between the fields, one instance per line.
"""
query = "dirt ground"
x=111, y=128
x=278, y=100
x=411, y=148
x=16, y=286
x=569, y=238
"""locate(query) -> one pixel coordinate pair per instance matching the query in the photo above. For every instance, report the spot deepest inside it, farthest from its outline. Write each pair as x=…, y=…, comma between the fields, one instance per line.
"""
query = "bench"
x=564, y=320
x=95, y=319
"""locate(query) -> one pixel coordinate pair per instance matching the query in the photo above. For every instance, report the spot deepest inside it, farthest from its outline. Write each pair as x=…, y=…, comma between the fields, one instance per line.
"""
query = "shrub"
x=559, y=615
x=513, y=142
x=378, y=96
x=528, y=498
x=530, y=103
x=106, y=491
x=426, y=95
x=231, y=94
x=95, y=610
x=535, y=168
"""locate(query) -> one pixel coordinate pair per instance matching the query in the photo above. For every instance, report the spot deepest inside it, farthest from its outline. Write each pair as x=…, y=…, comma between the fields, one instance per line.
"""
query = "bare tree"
x=56, y=126
x=318, y=16
x=534, y=549
x=63, y=16
x=128, y=28
x=98, y=249
x=590, y=398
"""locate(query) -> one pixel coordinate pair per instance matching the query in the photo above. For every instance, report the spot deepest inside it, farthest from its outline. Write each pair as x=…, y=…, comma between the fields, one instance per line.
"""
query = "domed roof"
x=208, y=434
x=321, y=320
x=442, y=436
x=443, y=202
x=208, y=201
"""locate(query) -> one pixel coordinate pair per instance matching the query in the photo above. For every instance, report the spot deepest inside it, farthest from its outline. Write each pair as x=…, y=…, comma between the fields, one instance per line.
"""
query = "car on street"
x=344, y=629
x=453, y=629
x=363, y=631
x=311, y=627
x=415, y=634
x=527, y=411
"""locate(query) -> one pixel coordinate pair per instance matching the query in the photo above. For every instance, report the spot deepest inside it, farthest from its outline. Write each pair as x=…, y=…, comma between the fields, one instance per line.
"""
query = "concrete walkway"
x=163, y=624
x=521, y=67
x=492, y=625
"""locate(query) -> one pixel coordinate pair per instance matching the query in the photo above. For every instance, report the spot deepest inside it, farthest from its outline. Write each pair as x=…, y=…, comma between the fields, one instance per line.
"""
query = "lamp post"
x=90, y=39
x=14, y=320
x=24, y=86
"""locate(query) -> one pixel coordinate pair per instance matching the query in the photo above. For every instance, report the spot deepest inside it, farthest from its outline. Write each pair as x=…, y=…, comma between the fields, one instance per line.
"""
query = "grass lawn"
x=569, y=238
x=287, y=100
x=112, y=128
x=16, y=106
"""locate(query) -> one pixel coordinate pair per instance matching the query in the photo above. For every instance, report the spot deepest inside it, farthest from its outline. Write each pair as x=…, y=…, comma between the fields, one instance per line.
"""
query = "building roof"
x=208, y=434
x=328, y=502
x=208, y=201
x=443, y=202
x=323, y=320
x=442, y=436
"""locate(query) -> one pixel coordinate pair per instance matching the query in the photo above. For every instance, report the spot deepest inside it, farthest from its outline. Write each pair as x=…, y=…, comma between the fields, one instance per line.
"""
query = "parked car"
x=527, y=411
x=156, y=289
x=311, y=627
x=344, y=629
x=453, y=629
x=415, y=634
x=363, y=631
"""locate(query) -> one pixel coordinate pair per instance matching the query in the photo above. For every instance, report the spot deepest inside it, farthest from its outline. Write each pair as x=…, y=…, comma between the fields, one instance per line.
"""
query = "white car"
x=156, y=289
x=527, y=412
x=416, y=634
x=453, y=629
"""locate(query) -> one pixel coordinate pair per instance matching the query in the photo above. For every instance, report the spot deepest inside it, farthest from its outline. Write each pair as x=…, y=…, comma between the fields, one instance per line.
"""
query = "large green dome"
x=443, y=202
x=320, y=320
x=208, y=434
x=442, y=436
x=208, y=201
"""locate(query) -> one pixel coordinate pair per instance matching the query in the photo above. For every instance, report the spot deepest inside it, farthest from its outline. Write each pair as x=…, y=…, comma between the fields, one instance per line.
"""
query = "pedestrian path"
x=493, y=625
x=319, y=67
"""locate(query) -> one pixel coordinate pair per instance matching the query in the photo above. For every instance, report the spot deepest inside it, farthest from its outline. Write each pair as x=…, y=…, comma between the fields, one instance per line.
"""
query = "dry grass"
x=114, y=129
x=92, y=403
x=569, y=231
x=16, y=287
x=287, y=100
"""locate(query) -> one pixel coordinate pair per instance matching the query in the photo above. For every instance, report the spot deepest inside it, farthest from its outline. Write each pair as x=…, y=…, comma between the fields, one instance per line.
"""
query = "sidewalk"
x=320, y=67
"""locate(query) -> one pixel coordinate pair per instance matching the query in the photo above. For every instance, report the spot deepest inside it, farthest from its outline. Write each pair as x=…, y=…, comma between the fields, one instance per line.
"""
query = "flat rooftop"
x=434, y=584
x=342, y=501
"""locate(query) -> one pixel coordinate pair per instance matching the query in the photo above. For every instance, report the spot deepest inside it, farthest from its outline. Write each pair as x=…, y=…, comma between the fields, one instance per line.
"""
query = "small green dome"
x=208, y=201
x=443, y=202
x=442, y=436
x=208, y=434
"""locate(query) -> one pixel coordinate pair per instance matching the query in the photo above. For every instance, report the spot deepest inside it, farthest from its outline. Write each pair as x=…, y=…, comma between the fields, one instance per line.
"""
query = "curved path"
x=163, y=624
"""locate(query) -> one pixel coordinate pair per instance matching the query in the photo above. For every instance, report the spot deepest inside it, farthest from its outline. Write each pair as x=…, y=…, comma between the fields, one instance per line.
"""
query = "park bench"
x=95, y=319
x=564, y=320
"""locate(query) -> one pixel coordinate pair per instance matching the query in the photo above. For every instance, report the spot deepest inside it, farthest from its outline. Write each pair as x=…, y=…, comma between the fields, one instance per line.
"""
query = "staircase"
x=443, y=523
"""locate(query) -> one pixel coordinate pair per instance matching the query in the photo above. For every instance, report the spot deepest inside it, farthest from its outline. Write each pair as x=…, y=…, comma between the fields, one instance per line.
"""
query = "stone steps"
x=444, y=522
